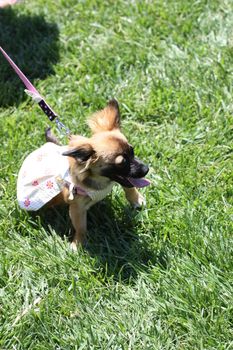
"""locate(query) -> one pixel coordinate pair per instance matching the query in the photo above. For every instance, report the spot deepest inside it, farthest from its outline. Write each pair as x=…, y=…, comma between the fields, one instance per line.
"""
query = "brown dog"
x=95, y=163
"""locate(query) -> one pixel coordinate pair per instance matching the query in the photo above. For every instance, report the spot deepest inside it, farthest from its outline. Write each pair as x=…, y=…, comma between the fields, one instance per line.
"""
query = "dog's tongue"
x=139, y=183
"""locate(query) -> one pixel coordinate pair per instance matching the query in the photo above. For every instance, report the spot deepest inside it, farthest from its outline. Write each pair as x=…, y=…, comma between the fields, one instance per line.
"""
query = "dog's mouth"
x=129, y=175
x=131, y=181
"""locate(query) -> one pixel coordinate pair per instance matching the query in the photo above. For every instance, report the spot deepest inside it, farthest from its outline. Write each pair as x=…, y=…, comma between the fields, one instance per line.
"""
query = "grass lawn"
x=159, y=278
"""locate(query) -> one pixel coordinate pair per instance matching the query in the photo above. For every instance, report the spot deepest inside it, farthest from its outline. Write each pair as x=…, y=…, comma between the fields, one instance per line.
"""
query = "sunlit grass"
x=159, y=278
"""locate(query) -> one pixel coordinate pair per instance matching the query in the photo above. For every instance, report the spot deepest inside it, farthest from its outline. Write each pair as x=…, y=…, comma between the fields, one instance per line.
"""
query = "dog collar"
x=34, y=94
x=76, y=190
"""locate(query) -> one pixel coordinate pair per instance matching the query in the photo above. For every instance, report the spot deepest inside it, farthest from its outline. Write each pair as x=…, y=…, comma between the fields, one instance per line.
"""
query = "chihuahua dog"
x=83, y=172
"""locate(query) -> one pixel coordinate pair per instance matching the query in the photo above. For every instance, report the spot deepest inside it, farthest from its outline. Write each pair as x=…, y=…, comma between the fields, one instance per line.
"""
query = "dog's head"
x=107, y=155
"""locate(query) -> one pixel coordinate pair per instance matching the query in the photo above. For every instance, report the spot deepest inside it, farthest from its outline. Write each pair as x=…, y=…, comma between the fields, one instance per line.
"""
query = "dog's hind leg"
x=50, y=137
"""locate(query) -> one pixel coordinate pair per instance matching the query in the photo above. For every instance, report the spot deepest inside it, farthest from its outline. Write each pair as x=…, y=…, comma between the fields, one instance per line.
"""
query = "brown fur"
x=103, y=147
x=107, y=119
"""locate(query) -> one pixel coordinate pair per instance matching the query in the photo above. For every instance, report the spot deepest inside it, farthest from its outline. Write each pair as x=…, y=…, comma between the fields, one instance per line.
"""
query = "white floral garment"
x=38, y=180
x=43, y=175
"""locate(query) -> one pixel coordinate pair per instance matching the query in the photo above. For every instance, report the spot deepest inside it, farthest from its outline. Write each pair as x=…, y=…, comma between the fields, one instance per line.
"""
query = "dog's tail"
x=50, y=137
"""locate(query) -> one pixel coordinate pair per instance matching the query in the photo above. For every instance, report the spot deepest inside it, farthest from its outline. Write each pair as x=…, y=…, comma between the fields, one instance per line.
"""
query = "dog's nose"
x=138, y=169
x=141, y=171
x=145, y=169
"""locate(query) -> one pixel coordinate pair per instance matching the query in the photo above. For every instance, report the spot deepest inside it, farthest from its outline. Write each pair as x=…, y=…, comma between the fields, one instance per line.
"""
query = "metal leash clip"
x=61, y=127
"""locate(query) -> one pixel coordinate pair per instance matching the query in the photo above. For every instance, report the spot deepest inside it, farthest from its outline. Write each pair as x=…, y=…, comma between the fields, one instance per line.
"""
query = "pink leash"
x=31, y=91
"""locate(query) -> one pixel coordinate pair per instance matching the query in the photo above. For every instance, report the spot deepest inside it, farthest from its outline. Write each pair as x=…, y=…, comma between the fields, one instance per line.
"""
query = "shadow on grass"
x=32, y=43
x=112, y=239
x=115, y=241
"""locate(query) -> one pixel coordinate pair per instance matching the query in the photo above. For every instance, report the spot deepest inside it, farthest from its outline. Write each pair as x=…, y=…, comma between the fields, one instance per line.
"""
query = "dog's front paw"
x=134, y=197
x=73, y=246
x=139, y=202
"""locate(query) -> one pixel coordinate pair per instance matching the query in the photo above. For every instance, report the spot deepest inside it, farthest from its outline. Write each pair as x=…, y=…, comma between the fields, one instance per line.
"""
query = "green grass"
x=159, y=278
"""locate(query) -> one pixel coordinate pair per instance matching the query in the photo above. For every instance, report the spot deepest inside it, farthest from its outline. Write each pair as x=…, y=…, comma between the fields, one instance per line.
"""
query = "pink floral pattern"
x=49, y=184
x=40, y=156
x=27, y=202
x=35, y=183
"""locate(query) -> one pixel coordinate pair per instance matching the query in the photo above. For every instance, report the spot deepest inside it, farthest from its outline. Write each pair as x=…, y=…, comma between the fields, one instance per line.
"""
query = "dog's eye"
x=120, y=160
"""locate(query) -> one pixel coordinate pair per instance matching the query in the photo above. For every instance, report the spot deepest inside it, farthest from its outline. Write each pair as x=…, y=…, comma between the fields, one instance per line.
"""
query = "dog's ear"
x=107, y=119
x=82, y=153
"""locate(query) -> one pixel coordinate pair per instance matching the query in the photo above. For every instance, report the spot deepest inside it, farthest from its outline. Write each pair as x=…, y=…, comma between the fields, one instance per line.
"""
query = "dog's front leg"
x=134, y=197
x=78, y=217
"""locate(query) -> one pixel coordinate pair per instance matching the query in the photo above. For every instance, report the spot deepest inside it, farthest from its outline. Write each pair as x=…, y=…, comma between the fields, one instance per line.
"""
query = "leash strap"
x=32, y=91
